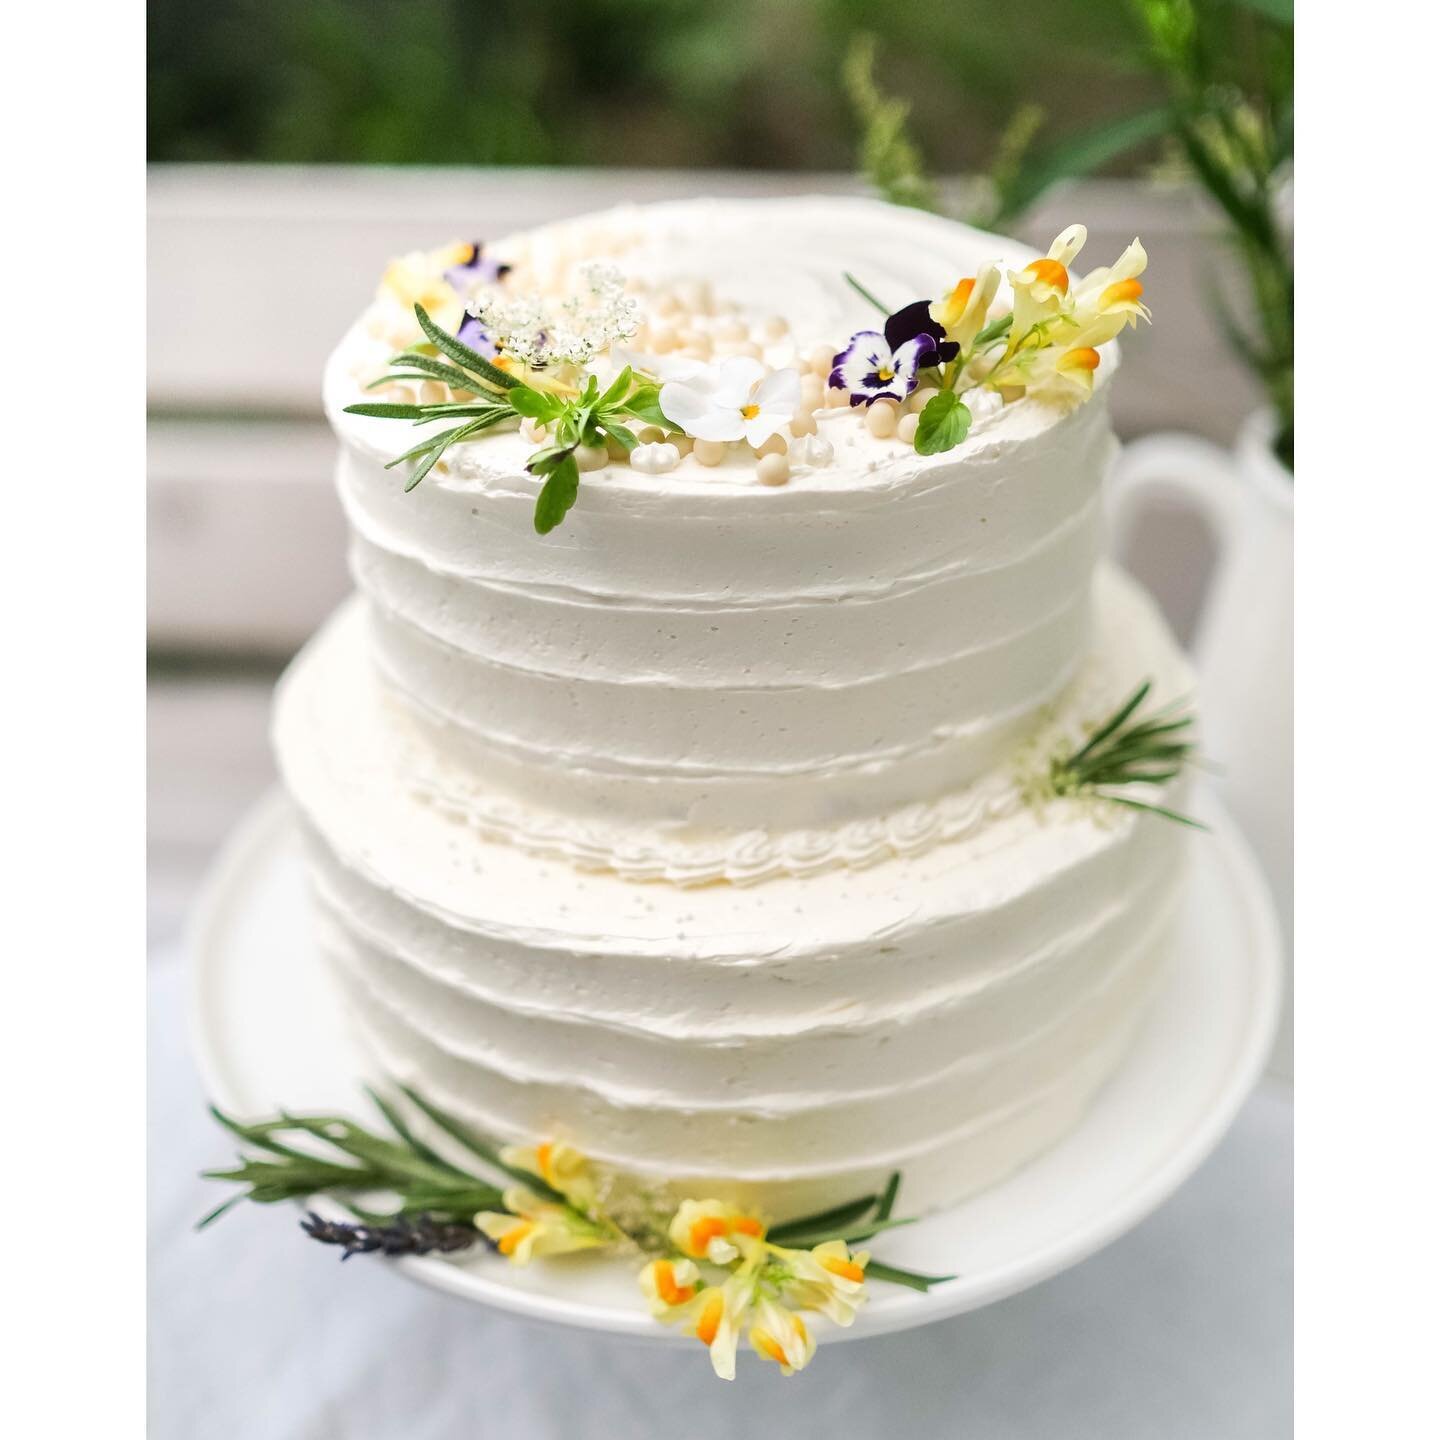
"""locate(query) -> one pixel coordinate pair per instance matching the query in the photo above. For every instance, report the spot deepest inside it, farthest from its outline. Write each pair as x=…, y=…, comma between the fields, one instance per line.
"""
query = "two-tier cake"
x=711, y=830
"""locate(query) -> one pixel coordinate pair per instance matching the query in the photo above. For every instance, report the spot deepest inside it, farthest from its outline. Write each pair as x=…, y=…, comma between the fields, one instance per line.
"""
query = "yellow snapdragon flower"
x=419, y=279
x=534, y=1227
x=713, y=1314
x=711, y=1230
x=781, y=1335
x=1043, y=286
x=964, y=310
x=1108, y=299
x=562, y=1167
x=828, y=1278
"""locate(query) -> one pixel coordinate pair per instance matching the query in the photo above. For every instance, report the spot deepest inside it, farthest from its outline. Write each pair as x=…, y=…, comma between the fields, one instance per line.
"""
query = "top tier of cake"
x=695, y=653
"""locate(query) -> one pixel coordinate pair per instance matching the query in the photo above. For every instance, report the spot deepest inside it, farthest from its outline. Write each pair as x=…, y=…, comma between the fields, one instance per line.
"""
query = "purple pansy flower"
x=462, y=278
x=877, y=366
x=905, y=324
x=477, y=337
x=476, y=268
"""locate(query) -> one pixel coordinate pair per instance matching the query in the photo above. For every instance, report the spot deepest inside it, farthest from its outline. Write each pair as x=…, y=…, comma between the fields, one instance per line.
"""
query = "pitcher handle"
x=1200, y=476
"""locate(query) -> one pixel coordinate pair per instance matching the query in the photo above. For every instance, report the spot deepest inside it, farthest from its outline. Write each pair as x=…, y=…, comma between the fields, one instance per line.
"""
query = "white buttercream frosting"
x=694, y=650
x=695, y=831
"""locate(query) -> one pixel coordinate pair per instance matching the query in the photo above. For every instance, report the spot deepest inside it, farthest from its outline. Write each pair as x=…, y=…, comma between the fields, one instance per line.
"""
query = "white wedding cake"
x=709, y=831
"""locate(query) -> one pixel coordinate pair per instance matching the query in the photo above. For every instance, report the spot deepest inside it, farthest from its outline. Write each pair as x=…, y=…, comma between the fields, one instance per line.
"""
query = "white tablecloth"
x=1181, y=1329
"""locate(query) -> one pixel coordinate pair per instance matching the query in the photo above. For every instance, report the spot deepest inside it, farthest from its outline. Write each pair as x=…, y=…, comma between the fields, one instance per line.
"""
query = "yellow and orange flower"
x=1042, y=288
x=419, y=279
x=534, y=1227
x=562, y=1167
x=965, y=310
x=1108, y=299
x=828, y=1278
x=713, y=1314
x=781, y=1335
x=711, y=1230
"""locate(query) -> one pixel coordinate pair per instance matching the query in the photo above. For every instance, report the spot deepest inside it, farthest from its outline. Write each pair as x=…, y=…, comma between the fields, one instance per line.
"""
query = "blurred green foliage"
x=737, y=83
x=1225, y=116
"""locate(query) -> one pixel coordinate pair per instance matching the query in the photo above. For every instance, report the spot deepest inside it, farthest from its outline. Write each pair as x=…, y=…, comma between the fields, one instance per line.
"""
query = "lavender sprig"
x=407, y=1235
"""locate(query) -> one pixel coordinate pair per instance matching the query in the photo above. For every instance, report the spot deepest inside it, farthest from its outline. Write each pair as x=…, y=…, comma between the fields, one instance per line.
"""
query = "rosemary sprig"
x=1125, y=751
x=405, y=1168
x=574, y=418
x=848, y=1223
x=431, y=1201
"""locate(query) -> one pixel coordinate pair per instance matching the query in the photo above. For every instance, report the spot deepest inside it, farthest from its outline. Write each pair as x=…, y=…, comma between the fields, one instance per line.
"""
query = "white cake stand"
x=270, y=1034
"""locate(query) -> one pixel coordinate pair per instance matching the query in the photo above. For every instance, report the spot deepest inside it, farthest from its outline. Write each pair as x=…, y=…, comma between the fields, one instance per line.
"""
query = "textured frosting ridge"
x=697, y=832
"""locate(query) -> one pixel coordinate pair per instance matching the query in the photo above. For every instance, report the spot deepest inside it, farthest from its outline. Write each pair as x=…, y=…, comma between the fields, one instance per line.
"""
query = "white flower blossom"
x=733, y=400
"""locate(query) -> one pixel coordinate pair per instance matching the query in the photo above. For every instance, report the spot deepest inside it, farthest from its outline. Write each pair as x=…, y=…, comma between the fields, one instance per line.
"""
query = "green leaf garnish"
x=864, y=294
x=463, y=355
x=620, y=434
x=559, y=491
x=944, y=423
x=644, y=405
x=536, y=404
x=1125, y=751
x=618, y=388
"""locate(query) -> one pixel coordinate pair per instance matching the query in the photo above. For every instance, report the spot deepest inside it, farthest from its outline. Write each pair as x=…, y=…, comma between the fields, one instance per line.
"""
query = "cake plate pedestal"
x=269, y=1031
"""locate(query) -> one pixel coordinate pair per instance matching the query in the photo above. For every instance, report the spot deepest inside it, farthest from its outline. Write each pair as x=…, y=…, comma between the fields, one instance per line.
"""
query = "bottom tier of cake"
x=948, y=1011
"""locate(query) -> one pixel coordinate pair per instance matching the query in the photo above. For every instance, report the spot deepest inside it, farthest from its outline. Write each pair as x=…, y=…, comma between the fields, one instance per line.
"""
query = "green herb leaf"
x=535, y=403
x=944, y=423
x=864, y=294
x=644, y=405
x=1125, y=751
x=430, y=368
x=887, y=1200
x=462, y=354
x=1078, y=155
x=401, y=1127
x=993, y=331
x=558, y=493
x=823, y=1222
x=911, y=1279
x=620, y=434
x=378, y=411
x=618, y=389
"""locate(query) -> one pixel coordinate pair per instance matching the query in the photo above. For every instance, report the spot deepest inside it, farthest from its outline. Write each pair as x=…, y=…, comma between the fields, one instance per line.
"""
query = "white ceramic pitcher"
x=1244, y=640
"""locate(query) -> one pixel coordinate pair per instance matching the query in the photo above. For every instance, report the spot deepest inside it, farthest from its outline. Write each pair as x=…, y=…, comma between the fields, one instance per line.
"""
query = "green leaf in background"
x=558, y=493
x=944, y=423
x=1078, y=155
x=1280, y=11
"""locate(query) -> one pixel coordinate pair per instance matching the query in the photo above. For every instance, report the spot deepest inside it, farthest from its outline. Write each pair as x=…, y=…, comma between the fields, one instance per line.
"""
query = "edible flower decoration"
x=473, y=269
x=529, y=1226
x=767, y=1284
x=542, y=335
x=712, y=1269
x=1047, y=342
x=734, y=399
x=886, y=365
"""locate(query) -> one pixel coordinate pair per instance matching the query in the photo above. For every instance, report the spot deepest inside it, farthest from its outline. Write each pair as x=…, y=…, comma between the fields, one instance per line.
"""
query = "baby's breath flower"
x=537, y=334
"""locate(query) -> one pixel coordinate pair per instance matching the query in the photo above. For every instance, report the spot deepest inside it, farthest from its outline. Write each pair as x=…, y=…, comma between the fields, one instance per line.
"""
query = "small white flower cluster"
x=528, y=329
